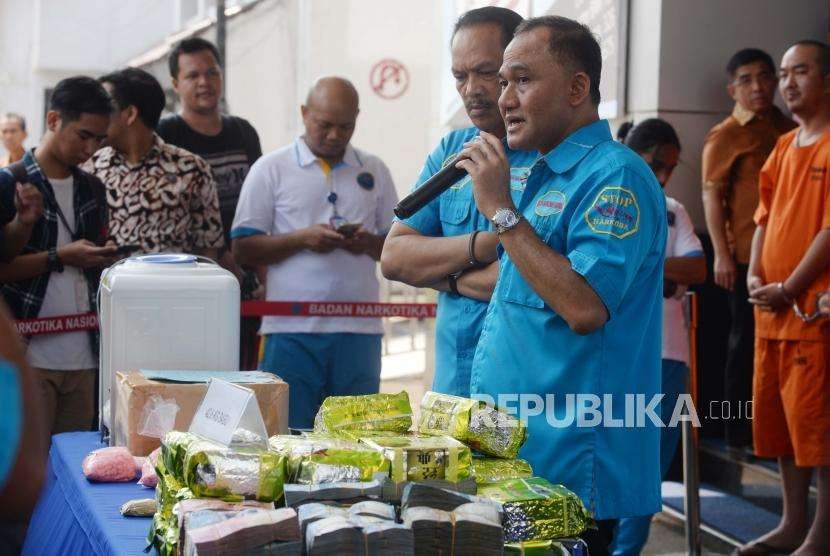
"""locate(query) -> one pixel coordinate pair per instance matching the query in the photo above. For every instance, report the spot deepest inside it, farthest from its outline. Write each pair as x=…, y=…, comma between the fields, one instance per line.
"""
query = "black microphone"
x=430, y=189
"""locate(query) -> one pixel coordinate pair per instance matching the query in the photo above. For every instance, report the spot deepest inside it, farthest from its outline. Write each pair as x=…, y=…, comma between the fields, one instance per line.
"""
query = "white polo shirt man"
x=291, y=189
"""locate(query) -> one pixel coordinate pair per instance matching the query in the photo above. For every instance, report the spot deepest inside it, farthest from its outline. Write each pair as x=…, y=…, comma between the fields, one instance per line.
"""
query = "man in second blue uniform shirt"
x=577, y=307
x=448, y=245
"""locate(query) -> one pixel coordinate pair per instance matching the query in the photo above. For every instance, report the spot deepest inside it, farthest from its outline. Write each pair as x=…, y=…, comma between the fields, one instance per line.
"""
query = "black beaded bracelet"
x=471, y=250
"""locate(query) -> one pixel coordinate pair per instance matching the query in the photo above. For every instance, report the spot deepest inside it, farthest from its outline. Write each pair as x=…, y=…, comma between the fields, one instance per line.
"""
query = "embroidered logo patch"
x=550, y=203
x=518, y=178
x=614, y=212
x=366, y=181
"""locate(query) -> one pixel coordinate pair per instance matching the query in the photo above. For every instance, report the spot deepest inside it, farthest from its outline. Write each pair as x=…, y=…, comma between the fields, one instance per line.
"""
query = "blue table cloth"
x=75, y=516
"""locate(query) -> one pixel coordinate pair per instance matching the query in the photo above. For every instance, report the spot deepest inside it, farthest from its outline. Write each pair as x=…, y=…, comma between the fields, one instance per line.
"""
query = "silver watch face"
x=505, y=218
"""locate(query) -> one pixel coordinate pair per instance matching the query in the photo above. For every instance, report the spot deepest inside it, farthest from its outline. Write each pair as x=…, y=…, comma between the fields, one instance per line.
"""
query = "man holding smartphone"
x=316, y=212
x=58, y=269
x=161, y=198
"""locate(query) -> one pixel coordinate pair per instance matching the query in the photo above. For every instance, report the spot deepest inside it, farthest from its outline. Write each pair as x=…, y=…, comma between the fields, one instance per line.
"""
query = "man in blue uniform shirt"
x=577, y=307
x=448, y=245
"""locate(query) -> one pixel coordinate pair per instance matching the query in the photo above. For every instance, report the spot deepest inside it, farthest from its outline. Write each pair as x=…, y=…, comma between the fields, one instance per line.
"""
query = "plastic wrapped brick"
x=535, y=509
x=419, y=458
x=483, y=428
x=109, y=465
x=562, y=547
x=174, y=448
x=493, y=470
x=372, y=412
x=234, y=474
x=316, y=459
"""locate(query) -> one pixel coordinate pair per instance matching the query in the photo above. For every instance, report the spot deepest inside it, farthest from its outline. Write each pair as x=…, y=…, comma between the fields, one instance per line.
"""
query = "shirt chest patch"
x=614, y=212
x=366, y=180
x=552, y=202
x=518, y=178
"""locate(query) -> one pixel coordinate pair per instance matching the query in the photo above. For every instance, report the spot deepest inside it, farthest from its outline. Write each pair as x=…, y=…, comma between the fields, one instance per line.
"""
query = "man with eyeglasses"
x=316, y=212
x=733, y=154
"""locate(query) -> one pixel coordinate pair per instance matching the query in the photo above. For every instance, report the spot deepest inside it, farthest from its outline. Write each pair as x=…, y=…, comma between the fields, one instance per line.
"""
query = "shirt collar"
x=569, y=152
x=113, y=157
x=306, y=158
x=742, y=115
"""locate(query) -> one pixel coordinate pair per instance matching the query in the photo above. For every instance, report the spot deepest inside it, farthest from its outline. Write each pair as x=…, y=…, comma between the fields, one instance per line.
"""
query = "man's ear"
x=580, y=88
x=730, y=90
x=132, y=114
x=53, y=120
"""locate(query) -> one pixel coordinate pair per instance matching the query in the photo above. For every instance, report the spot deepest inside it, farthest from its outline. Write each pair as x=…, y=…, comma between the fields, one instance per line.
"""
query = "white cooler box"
x=165, y=312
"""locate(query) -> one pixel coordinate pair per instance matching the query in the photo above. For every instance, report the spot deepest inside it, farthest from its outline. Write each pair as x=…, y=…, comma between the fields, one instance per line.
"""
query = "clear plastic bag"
x=109, y=465
x=148, y=470
x=158, y=417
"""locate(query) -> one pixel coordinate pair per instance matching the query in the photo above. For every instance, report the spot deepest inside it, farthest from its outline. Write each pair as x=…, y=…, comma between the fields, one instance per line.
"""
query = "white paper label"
x=221, y=410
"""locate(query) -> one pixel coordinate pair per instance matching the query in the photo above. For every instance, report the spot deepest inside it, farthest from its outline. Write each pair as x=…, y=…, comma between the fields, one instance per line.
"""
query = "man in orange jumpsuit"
x=790, y=267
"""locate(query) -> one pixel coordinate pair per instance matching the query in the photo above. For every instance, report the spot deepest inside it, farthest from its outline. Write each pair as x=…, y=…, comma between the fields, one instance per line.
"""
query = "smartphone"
x=348, y=229
x=126, y=249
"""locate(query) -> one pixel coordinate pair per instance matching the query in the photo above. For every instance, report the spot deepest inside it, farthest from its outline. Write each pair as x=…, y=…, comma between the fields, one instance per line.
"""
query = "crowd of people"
x=561, y=265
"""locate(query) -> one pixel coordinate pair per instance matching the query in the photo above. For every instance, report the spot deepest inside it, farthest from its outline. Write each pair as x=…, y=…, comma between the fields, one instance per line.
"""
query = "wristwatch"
x=506, y=219
x=53, y=262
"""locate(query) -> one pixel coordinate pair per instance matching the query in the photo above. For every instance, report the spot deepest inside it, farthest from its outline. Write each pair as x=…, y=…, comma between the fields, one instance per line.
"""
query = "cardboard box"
x=133, y=391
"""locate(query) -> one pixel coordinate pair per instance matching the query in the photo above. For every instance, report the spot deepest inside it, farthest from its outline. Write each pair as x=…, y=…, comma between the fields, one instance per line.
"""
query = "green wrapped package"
x=562, y=547
x=174, y=447
x=372, y=412
x=481, y=427
x=493, y=470
x=234, y=474
x=335, y=466
x=535, y=509
x=316, y=459
x=169, y=490
x=164, y=534
x=419, y=458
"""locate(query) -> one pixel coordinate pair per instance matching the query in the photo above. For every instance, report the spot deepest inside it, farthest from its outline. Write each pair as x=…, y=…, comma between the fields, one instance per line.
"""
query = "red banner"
x=89, y=321
x=54, y=325
x=337, y=309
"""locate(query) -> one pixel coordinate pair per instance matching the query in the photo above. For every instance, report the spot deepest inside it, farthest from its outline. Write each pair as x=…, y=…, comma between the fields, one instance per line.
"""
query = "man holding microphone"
x=577, y=307
x=448, y=244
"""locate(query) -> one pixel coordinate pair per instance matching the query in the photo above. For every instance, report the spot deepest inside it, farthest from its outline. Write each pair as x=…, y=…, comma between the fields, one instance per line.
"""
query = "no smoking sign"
x=389, y=79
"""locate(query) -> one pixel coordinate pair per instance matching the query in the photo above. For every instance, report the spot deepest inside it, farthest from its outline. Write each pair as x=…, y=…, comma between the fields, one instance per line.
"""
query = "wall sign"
x=389, y=79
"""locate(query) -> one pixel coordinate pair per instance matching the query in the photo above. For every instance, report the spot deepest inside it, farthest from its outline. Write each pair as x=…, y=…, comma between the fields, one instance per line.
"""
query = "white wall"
x=348, y=38
x=261, y=70
x=44, y=41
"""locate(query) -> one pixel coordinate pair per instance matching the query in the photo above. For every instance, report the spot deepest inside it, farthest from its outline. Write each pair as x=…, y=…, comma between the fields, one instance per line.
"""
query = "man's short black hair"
x=506, y=19
x=136, y=87
x=749, y=56
x=573, y=45
x=74, y=96
x=189, y=46
x=822, y=53
x=17, y=117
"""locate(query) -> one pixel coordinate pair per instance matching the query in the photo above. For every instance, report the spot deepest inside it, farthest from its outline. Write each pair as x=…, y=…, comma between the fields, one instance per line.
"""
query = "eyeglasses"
x=822, y=308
